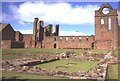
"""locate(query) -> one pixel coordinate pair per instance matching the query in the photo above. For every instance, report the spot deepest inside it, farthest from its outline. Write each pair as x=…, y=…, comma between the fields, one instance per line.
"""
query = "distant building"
x=10, y=38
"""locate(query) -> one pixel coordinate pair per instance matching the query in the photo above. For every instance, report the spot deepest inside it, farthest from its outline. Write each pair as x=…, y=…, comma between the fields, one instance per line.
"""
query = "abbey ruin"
x=106, y=35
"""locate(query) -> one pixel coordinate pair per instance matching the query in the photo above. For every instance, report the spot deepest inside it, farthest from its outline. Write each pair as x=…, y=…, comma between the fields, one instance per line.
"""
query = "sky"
x=74, y=18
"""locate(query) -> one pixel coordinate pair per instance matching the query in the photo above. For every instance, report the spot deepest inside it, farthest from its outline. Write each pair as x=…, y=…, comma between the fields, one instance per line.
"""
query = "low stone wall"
x=17, y=44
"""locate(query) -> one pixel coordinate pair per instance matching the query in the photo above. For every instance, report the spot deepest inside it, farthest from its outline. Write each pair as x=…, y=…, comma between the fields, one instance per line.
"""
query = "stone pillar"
x=57, y=30
x=50, y=29
x=40, y=33
x=34, y=37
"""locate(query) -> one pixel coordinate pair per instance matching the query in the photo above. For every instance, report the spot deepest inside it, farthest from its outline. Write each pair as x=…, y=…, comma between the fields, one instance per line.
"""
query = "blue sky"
x=74, y=18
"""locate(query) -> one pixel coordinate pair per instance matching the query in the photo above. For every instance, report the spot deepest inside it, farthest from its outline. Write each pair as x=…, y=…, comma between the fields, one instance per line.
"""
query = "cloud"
x=26, y=31
x=61, y=33
x=61, y=13
x=71, y=33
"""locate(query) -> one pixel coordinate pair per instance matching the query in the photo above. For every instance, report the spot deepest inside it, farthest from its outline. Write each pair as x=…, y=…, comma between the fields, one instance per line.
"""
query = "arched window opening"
x=54, y=45
x=80, y=38
x=109, y=24
x=86, y=38
x=93, y=45
x=106, y=11
x=66, y=39
x=102, y=21
x=54, y=39
x=73, y=39
x=60, y=38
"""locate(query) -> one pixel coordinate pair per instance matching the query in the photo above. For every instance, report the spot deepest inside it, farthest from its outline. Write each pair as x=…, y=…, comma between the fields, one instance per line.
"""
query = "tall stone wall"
x=106, y=34
x=106, y=28
x=28, y=40
x=81, y=42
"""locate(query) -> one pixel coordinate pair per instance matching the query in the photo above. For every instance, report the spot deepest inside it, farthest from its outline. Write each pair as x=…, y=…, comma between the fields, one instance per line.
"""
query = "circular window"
x=105, y=11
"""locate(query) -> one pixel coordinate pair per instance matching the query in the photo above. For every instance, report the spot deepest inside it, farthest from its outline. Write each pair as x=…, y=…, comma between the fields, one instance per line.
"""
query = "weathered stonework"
x=105, y=37
x=106, y=34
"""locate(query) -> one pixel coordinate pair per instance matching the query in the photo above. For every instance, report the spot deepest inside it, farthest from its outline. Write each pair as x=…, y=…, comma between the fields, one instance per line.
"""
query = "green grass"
x=16, y=75
x=113, y=71
x=9, y=54
x=69, y=66
x=41, y=50
x=98, y=51
x=31, y=50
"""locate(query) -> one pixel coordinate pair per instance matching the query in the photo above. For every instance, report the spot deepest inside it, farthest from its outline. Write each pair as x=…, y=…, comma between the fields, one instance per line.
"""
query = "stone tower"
x=40, y=30
x=57, y=30
x=34, y=37
x=106, y=28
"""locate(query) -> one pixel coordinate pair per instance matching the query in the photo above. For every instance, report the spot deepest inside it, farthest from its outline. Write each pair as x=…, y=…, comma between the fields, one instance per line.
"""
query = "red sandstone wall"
x=78, y=42
x=28, y=42
x=6, y=44
x=49, y=42
x=18, y=36
x=16, y=44
x=106, y=38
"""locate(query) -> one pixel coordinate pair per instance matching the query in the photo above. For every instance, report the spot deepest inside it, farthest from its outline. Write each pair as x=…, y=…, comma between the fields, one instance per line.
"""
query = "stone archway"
x=93, y=45
x=54, y=45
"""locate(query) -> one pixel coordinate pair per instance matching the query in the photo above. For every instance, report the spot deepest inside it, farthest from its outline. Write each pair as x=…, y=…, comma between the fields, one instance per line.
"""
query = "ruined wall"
x=106, y=28
x=6, y=44
x=119, y=38
x=34, y=37
x=17, y=44
x=40, y=31
x=81, y=42
x=48, y=42
x=28, y=40
x=48, y=30
x=18, y=36
x=106, y=34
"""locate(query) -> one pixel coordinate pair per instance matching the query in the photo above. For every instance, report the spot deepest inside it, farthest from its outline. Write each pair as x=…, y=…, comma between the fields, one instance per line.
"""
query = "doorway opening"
x=93, y=45
x=54, y=45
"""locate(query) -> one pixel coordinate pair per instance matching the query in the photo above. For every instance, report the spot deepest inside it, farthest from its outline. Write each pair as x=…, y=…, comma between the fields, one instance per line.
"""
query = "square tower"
x=106, y=28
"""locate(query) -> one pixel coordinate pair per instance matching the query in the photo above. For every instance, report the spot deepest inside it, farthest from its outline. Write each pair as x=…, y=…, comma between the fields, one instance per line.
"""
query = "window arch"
x=102, y=21
x=80, y=38
x=73, y=38
x=66, y=39
x=109, y=23
x=60, y=38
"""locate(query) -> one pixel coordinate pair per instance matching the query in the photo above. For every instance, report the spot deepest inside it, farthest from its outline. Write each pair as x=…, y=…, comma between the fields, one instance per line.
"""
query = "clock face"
x=105, y=11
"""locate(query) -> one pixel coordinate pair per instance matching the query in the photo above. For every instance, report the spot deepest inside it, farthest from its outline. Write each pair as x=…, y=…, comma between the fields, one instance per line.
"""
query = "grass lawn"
x=15, y=75
x=113, y=71
x=9, y=54
x=67, y=65
x=31, y=50
x=98, y=51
